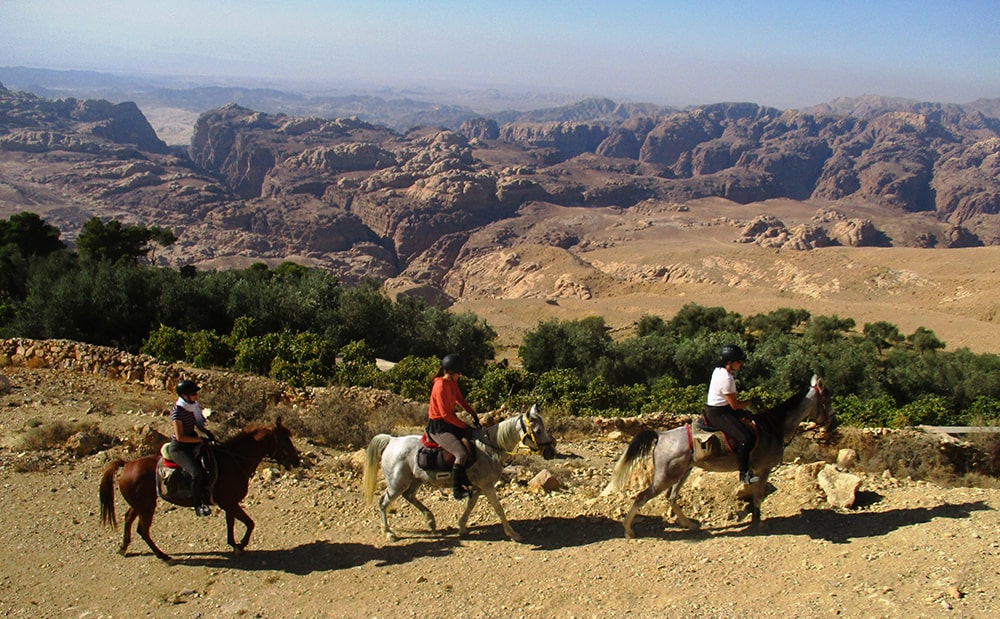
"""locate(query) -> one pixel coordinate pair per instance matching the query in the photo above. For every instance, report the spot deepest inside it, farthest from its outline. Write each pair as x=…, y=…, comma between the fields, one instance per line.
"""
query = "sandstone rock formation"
x=368, y=201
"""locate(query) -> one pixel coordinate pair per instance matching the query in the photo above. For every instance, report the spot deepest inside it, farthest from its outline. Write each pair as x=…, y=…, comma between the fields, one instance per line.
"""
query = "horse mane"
x=779, y=413
x=785, y=407
x=507, y=432
x=247, y=434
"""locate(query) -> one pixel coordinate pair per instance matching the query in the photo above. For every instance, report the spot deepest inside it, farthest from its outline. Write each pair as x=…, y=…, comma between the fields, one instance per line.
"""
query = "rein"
x=525, y=430
x=249, y=459
x=820, y=397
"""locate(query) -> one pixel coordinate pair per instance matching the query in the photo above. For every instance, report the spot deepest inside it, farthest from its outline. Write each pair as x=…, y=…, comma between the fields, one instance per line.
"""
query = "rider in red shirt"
x=444, y=426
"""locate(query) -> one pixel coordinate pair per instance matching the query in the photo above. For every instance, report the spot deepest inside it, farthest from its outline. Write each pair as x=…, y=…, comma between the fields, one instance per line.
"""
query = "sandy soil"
x=632, y=263
x=907, y=549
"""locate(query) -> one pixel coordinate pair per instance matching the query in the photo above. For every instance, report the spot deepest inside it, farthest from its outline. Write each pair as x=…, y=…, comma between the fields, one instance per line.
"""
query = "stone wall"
x=115, y=364
x=100, y=361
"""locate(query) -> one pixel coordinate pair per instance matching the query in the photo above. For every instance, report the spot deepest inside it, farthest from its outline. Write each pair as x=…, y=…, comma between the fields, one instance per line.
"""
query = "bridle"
x=528, y=431
x=823, y=403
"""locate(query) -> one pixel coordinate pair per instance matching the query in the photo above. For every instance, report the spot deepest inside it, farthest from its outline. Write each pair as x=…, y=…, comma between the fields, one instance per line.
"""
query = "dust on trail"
x=909, y=548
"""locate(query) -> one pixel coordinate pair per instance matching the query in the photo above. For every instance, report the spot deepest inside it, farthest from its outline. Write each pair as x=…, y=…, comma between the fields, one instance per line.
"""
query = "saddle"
x=433, y=457
x=707, y=441
x=173, y=484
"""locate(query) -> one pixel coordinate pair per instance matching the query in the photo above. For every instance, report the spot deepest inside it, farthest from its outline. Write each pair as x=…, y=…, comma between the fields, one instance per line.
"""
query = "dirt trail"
x=908, y=549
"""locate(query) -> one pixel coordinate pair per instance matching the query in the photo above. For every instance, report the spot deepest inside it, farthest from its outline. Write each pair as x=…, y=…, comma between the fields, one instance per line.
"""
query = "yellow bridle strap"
x=528, y=431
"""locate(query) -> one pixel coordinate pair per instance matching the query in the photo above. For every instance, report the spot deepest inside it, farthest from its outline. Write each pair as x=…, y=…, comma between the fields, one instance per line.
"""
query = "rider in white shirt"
x=724, y=410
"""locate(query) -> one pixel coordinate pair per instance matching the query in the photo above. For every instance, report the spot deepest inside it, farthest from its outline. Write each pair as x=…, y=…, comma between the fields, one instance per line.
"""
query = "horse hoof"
x=391, y=537
x=517, y=538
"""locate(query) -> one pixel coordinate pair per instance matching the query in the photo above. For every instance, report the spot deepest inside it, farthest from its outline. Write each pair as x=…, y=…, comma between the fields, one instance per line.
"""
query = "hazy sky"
x=780, y=53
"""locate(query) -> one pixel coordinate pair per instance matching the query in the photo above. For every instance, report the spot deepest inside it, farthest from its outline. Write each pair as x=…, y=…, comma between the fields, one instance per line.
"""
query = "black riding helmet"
x=732, y=352
x=187, y=387
x=452, y=363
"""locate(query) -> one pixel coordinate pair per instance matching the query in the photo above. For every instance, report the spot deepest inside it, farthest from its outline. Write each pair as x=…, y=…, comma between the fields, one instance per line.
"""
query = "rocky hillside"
x=412, y=207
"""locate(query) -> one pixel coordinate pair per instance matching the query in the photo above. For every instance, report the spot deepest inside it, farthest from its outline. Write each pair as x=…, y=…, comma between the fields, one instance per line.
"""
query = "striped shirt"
x=185, y=413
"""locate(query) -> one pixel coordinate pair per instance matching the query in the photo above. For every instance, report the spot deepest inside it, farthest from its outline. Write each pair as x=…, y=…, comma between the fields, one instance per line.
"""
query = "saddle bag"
x=432, y=457
x=173, y=484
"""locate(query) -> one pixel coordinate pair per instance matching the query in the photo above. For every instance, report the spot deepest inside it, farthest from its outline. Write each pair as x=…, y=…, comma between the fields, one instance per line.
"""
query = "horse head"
x=822, y=412
x=285, y=453
x=535, y=436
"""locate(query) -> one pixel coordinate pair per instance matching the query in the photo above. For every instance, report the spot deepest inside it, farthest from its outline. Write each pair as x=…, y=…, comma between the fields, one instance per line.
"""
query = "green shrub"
x=357, y=366
x=256, y=354
x=666, y=395
x=602, y=398
x=930, y=410
x=412, y=376
x=502, y=386
x=984, y=411
x=166, y=344
x=206, y=349
x=852, y=410
x=559, y=388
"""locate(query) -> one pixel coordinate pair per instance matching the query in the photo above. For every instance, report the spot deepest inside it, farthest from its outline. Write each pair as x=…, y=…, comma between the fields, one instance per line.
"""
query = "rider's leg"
x=187, y=458
x=726, y=420
x=459, y=478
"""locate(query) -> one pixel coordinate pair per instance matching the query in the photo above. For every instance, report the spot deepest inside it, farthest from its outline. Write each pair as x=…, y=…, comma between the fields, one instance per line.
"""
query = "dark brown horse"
x=237, y=460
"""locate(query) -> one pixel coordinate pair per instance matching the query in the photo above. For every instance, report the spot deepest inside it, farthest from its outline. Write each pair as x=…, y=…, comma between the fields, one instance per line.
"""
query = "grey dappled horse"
x=398, y=456
x=676, y=451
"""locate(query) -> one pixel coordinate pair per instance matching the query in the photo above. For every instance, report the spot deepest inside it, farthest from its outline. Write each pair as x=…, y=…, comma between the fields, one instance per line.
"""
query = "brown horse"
x=237, y=460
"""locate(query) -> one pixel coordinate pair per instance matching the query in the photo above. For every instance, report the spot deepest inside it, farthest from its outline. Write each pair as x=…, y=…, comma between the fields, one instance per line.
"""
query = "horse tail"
x=107, y=493
x=373, y=457
x=640, y=447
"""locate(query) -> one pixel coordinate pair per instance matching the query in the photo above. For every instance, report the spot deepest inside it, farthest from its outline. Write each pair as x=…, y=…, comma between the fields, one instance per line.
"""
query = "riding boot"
x=460, y=482
x=198, y=496
x=747, y=476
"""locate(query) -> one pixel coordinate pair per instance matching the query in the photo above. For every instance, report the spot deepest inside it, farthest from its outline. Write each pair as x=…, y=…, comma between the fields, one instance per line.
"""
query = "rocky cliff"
x=364, y=200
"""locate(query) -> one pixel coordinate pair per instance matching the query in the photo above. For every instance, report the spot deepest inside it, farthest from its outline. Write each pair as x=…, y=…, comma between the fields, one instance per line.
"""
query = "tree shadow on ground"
x=841, y=527
x=838, y=527
x=552, y=532
x=321, y=556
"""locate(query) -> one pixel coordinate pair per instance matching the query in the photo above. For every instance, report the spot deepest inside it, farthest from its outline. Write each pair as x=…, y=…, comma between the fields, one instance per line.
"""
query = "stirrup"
x=202, y=510
x=748, y=478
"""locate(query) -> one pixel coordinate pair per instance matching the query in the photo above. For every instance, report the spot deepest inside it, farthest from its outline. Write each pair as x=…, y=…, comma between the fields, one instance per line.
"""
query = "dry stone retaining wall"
x=115, y=364
x=90, y=359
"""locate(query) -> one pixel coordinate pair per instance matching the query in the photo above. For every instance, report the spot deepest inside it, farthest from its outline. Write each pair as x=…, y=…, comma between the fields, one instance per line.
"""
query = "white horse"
x=676, y=451
x=398, y=456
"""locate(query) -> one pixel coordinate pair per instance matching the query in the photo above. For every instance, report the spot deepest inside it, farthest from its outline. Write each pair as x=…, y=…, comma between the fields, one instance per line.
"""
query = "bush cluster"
x=301, y=326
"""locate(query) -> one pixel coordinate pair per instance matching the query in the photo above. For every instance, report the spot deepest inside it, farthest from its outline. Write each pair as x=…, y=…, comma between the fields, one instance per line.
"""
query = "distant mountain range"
x=400, y=110
x=419, y=193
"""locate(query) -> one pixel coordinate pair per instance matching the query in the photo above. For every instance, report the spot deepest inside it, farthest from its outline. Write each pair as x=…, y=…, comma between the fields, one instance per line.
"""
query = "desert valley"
x=873, y=209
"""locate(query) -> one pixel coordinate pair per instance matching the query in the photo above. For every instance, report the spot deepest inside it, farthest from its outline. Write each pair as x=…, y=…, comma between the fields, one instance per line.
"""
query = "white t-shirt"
x=722, y=383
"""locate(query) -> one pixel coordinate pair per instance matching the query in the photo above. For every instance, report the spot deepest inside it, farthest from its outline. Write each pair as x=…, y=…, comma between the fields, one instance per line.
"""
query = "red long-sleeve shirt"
x=445, y=394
